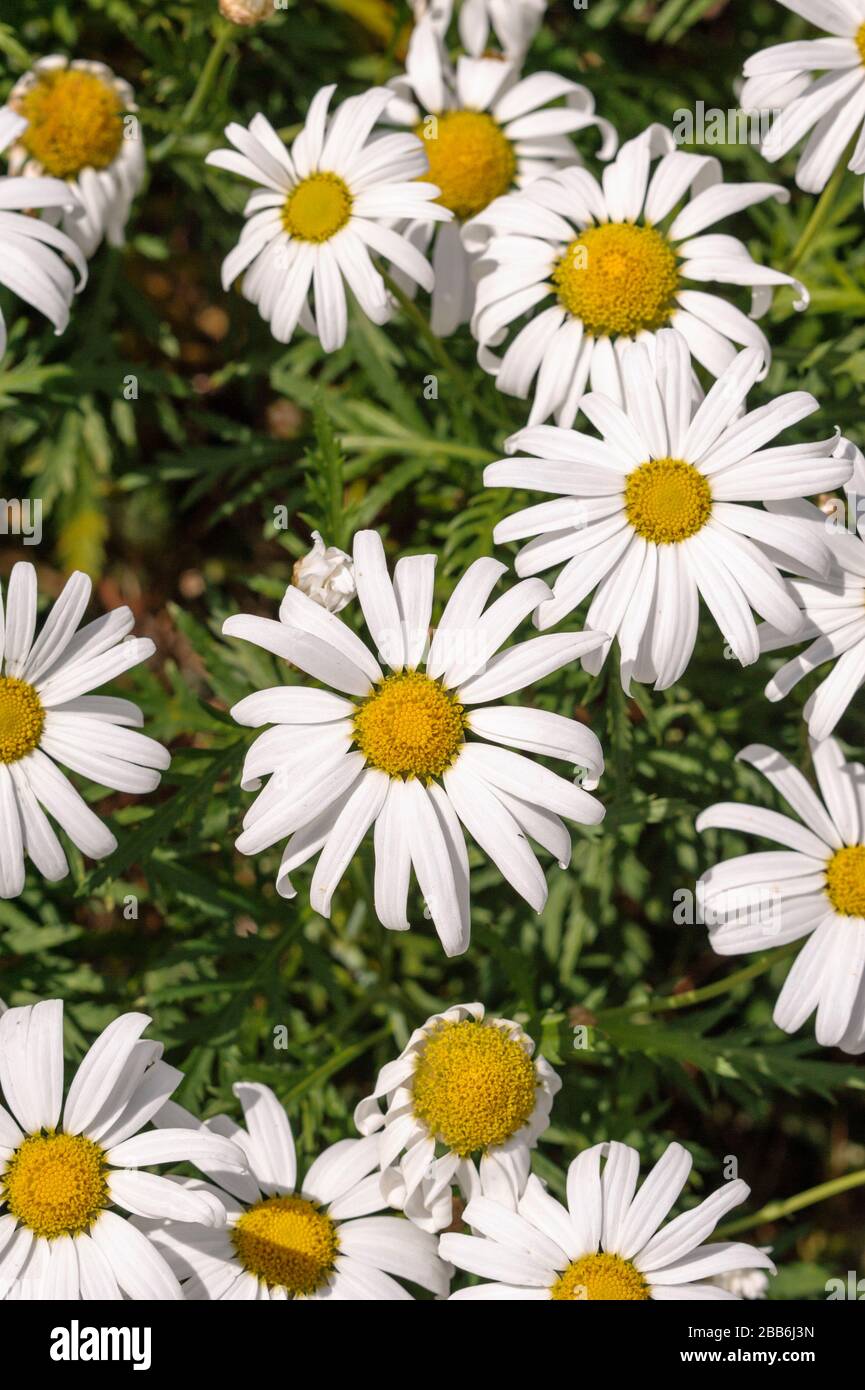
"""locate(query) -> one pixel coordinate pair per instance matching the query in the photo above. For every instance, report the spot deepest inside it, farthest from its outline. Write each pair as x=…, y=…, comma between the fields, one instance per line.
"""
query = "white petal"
x=431, y=859
x=498, y=834
x=101, y=1071
x=377, y=598
x=137, y=1266
x=271, y=1147
x=690, y=1229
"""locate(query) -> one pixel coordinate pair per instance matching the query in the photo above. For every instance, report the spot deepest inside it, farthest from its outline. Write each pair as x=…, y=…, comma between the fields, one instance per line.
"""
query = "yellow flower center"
x=317, y=208
x=55, y=1184
x=21, y=719
x=470, y=160
x=473, y=1086
x=286, y=1242
x=410, y=726
x=845, y=881
x=618, y=279
x=860, y=42
x=74, y=122
x=667, y=500
x=600, y=1278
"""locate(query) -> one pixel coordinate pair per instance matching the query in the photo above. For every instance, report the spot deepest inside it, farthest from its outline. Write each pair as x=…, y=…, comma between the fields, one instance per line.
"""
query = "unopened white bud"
x=326, y=575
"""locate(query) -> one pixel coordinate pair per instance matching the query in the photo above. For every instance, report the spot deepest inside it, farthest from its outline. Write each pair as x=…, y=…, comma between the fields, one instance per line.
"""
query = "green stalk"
x=774, y=1211
x=669, y=1002
x=820, y=213
x=223, y=34
x=440, y=352
x=336, y=1063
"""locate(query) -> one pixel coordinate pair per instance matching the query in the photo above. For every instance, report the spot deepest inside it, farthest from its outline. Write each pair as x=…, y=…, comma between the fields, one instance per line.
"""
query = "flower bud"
x=326, y=575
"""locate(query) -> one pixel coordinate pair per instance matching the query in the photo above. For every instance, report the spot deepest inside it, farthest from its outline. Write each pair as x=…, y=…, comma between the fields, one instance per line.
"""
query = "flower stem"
x=774, y=1211
x=819, y=213
x=440, y=352
x=687, y=998
x=223, y=34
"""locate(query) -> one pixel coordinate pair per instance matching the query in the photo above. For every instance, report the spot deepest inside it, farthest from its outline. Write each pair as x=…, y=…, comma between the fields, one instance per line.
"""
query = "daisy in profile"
x=485, y=130
x=609, y=1242
x=80, y=128
x=465, y=1103
x=66, y=1167
x=575, y=269
x=513, y=22
x=832, y=615
x=415, y=752
x=814, y=887
x=816, y=88
x=31, y=250
x=324, y=1237
x=48, y=716
x=650, y=517
x=320, y=211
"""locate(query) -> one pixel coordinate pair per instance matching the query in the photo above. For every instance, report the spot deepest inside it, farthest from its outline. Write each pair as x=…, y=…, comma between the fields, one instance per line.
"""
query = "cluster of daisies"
x=446, y=1138
x=463, y=179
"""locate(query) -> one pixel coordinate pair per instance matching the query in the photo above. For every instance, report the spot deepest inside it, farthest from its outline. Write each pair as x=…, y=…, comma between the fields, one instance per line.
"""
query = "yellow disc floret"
x=473, y=1086
x=74, y=122
x=286, y=1242
x=21, y=719
x=470, y=159
x=845, y=881
x=618, y=279
x=860, y=42
x=410, y=726
x=667, y=500
x=317, y=208
x=600, y=1278
x=55, y=1184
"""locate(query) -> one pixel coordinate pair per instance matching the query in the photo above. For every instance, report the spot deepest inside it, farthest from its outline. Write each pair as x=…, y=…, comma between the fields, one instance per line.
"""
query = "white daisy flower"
x=485, y=130
x=326, y=574
x=814, y=887
x=650, y=517
x=321, y=1238
x=29, y=264
x=395, y=752
x=832, y=616
x=514, y=22
x=816, y=86
x=320, y=210
x=48, y=717
x=465, y=1103
x=618, y=260
x=606, y=1243
x=80, y=129
x=64, y=1167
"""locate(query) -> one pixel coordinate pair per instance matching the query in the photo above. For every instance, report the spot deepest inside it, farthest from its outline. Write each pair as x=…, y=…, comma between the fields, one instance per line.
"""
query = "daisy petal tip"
x=538, y=901
x=753, y=751
x=146, y=647
x=542, y=620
